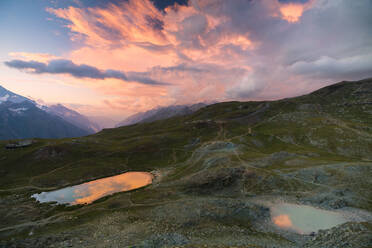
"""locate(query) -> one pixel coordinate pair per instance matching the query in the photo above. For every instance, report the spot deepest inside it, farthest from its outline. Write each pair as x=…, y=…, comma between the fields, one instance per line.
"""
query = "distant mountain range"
x=161, y=113
x=22, y=118
x=74, y=118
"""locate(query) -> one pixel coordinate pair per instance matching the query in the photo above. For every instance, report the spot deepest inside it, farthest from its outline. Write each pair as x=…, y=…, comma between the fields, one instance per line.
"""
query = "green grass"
x=329, y=134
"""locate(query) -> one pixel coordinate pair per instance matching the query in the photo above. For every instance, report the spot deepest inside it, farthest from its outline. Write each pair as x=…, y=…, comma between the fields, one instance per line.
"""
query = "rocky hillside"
x=217, y=172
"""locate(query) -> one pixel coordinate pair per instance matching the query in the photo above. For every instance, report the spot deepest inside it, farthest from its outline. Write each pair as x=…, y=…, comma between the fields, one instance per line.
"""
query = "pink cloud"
x=292, y=12
x=209, y=49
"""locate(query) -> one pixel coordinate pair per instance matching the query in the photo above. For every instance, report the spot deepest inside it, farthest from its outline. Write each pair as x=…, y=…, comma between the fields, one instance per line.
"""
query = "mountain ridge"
x=6, y=95
x=160, y=113
x=22, y=118
x=73, y=117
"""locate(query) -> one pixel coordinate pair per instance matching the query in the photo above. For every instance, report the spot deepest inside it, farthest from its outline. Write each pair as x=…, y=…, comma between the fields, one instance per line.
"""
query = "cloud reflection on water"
x=89, y=192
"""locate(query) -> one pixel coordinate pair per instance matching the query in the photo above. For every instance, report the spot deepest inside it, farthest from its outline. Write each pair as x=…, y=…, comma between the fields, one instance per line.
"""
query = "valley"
x=218, y=172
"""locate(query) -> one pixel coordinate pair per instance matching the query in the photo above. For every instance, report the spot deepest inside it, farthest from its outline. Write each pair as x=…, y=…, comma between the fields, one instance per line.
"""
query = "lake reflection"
x=88, y=192
x=304, y=219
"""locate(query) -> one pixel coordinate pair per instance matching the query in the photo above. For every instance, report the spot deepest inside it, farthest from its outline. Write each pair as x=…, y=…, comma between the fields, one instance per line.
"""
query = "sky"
x=116, y=58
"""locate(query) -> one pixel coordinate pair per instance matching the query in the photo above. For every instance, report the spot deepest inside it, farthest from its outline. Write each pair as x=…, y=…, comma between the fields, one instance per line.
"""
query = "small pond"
x=88, y=192
x=304, y=219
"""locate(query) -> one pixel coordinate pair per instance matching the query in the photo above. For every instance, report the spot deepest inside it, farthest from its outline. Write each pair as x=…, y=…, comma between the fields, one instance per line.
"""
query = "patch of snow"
x=6, y=95
x=42, y=107
x=18, y=110
x=4, y=98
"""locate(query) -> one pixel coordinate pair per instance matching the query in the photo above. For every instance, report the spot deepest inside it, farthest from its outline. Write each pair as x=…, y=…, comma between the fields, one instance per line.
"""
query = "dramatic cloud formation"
x=62, y=66
x=327, y=67
x=214, y=49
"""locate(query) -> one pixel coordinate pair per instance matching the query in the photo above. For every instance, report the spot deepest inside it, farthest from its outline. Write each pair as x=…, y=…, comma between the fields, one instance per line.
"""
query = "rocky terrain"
x=217, y=172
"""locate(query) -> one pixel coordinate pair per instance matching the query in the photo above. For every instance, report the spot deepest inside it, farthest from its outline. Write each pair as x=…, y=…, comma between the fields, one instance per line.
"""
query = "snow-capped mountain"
x=22, y=118
x=161, y=113
x=6, y=95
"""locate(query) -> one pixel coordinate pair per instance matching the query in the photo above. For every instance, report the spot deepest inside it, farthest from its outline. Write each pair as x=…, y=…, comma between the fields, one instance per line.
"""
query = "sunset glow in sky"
x=116, y=58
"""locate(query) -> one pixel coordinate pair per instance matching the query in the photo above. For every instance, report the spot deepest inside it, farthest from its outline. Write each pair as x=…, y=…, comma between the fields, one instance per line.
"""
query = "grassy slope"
x=332, y=125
